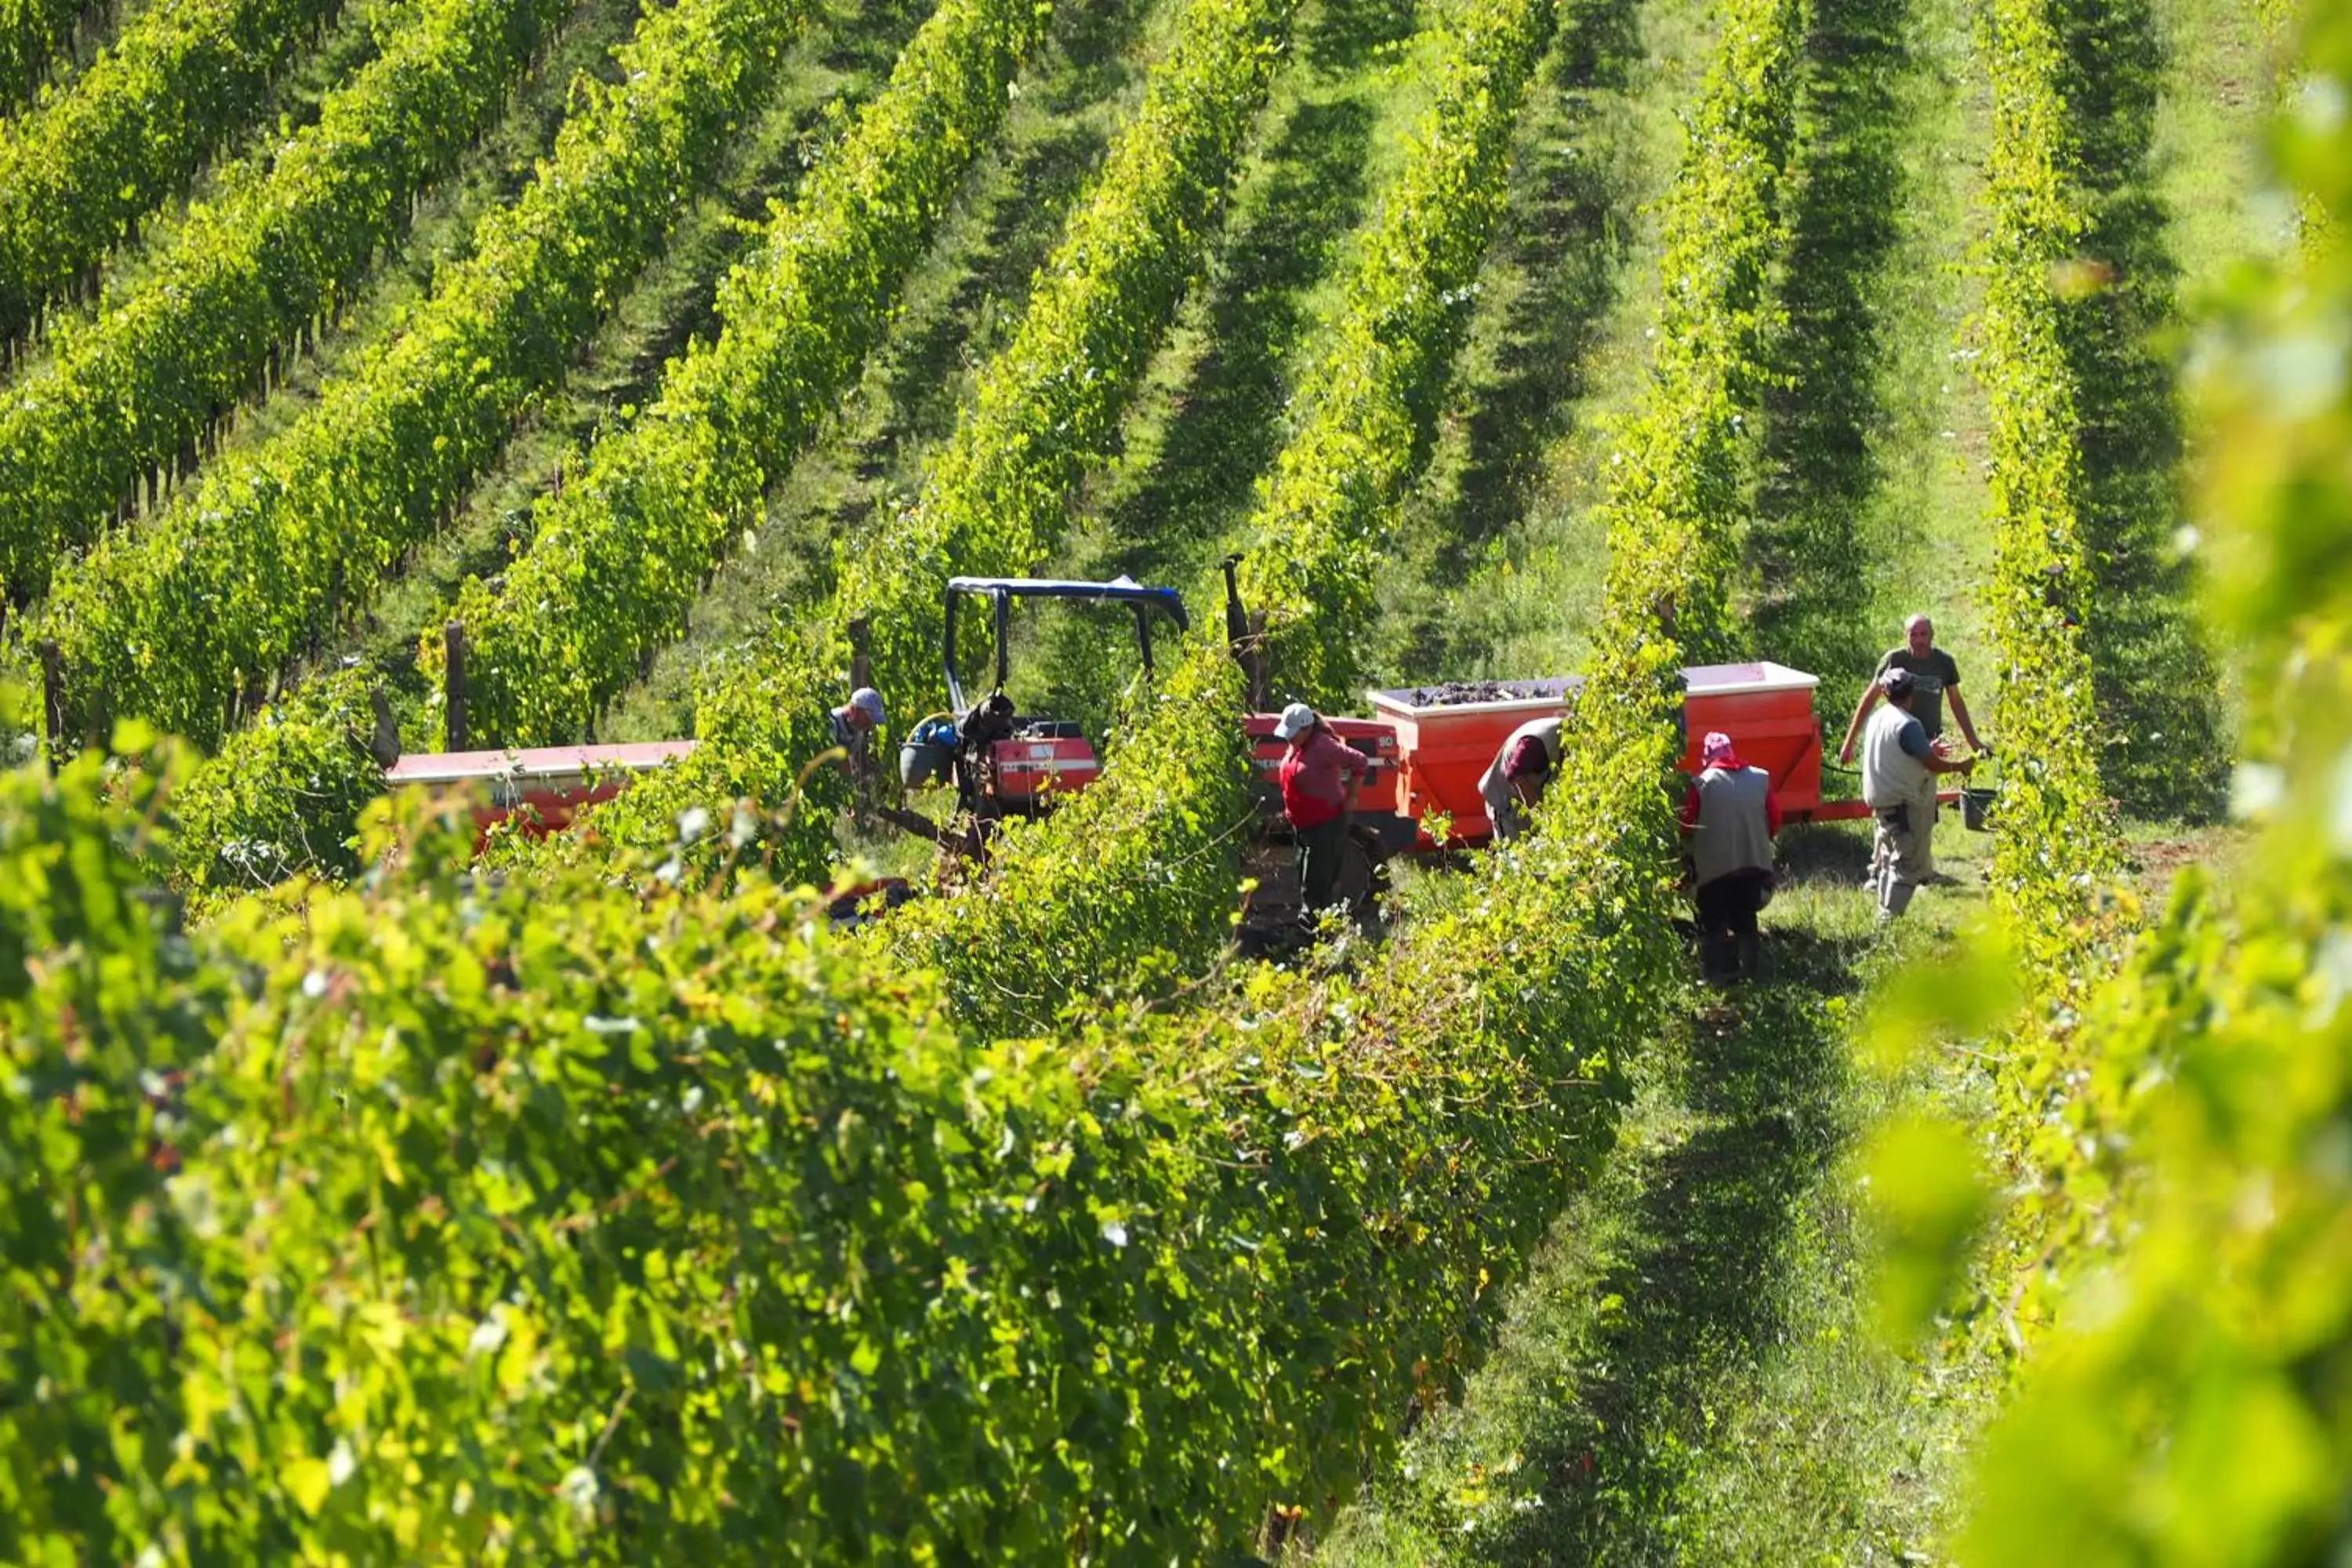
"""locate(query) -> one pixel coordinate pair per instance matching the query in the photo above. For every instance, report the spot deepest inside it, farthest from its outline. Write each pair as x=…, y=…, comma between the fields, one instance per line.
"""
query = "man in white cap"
x=1899, y=765
x=855, y=719
x=1516, y=780
x=1320, y=775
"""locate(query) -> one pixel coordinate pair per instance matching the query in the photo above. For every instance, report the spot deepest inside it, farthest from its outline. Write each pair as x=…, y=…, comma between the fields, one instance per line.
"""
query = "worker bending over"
x=1899, y=766
x=1516, y=780
x=1936, y=675
x=1730, y=819
x=1319, y=776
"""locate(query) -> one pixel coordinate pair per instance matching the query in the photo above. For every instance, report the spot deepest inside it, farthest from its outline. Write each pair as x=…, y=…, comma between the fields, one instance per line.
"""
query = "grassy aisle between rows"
x=1690, y=1372
x=1550, y=343
x=1500, y=561
x=1210, y=416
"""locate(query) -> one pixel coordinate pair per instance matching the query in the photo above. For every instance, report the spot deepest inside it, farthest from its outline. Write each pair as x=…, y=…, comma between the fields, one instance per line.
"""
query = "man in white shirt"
x=1899, y=767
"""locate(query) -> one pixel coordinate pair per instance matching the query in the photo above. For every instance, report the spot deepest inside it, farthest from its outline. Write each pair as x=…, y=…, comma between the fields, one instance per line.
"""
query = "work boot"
x=1751, y=957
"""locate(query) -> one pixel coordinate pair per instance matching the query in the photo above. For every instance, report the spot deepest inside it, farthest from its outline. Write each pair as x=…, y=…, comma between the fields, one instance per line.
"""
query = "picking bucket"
x=1976, y=807
x=927, y=755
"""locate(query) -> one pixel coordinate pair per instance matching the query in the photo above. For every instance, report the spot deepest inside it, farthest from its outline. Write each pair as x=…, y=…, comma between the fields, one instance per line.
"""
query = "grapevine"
x=157, y=371
x=33, y=34
x=182, y=620
x=996, y=498
x=616, y=559
x=78, y=170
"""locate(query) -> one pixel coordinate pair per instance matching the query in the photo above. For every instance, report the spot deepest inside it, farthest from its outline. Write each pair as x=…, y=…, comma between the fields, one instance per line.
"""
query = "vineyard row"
x=2200, y=1201
x=79, y=170
x=2054, y=870
x=133, y=393
x=997, y=498
x=185, y=620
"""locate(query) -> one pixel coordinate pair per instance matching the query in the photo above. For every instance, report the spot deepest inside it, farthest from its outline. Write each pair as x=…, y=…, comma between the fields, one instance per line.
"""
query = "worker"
x=1319, y=776
x=1937, y=676
x=1899, y=766
x=1516, y=780
x=1730, y=818
x=853, y=720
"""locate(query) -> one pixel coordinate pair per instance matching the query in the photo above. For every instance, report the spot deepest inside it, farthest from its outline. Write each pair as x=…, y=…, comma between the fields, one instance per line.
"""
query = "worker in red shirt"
x=1730, y=819
x=1319, y=776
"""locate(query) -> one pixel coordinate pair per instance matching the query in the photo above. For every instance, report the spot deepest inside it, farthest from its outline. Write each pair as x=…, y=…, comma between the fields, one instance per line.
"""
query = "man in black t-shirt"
x=1934, y=677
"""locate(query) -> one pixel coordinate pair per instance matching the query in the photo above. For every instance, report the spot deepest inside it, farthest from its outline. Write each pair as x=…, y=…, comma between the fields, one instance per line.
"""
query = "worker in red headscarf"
x=1515, y=782
x=1730, y=819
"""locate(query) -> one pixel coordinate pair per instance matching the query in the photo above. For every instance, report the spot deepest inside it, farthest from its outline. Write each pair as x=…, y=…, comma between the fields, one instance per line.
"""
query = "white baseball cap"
x=868, y=701
x=1296, y=721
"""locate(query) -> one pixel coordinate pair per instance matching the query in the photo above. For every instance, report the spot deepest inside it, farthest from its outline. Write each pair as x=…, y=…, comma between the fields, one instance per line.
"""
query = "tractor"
x=1004, y=762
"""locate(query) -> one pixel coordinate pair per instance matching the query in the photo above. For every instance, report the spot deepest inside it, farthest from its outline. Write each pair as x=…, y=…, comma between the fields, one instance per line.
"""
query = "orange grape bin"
x=1447, y=735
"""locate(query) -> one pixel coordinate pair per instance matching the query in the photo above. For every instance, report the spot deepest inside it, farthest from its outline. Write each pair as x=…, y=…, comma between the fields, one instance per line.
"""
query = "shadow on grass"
x=2165, y=753
x=1565, y=234
x=1819, y=853
x=1817, y=474
x=1693, y=1297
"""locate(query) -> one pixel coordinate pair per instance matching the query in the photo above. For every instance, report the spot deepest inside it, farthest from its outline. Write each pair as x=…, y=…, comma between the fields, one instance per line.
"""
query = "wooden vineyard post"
x=383, y=742
x=453, y=646
x=862, y=806
x=53, y=696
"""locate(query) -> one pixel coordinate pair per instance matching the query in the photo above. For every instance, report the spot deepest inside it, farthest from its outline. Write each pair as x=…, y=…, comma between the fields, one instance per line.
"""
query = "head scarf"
x=1715, y=752
x=1529, y=759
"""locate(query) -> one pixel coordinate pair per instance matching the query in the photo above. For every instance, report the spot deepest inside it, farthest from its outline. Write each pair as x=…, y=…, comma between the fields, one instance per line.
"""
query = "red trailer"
x=553, y=783
x=1447, y=736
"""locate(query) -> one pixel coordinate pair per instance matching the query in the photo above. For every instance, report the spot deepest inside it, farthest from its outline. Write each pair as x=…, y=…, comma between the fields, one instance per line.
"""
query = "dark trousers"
x=1319, y=851
x=1728, y=907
